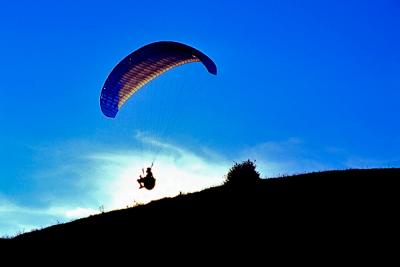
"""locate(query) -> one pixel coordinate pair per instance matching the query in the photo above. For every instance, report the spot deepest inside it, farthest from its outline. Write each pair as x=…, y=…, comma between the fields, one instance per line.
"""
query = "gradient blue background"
x=322, y=76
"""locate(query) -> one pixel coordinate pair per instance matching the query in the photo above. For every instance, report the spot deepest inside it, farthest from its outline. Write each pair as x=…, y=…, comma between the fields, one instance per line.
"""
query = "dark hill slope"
x=317, y=207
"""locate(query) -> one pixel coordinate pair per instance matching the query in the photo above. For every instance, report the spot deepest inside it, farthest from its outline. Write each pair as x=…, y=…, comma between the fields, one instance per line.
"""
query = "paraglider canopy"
x=142, y=66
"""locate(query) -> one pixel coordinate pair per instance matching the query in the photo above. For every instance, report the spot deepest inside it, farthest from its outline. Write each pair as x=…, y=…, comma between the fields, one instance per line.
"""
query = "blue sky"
x=301, y=86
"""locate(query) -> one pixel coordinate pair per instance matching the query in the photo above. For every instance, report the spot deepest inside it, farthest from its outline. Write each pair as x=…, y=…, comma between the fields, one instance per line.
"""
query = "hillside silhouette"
x=322, y=207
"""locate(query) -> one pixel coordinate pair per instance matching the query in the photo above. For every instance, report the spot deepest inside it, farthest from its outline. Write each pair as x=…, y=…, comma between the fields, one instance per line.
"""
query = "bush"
x=242, y=174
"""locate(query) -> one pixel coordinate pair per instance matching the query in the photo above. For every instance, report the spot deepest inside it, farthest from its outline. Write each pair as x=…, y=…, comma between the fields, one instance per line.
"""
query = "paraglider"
x=142, y=66
x=147, y=181
x=139, y=68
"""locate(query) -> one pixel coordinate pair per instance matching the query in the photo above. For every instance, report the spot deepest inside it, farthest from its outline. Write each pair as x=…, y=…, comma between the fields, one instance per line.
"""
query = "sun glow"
x=175, y=173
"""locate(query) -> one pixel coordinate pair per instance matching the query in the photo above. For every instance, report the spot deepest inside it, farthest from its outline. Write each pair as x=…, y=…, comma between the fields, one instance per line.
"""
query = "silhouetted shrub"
x=242, y=174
